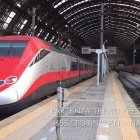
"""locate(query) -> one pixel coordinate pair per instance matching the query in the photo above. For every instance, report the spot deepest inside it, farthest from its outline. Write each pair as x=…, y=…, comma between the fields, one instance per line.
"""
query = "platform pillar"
x=101, y=41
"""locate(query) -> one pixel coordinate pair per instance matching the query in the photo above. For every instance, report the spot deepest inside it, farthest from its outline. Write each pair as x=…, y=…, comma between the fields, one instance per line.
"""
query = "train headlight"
x=11, y=80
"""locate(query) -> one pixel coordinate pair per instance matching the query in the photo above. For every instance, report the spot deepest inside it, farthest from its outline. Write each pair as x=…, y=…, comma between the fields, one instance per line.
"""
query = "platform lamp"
x=69, y=46
x=134, y=52
x=61, y=35
x=69, y=40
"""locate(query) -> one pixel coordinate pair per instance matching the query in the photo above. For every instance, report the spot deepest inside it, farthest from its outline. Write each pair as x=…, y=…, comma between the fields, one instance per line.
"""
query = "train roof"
x=52, y=46
x=64, y=51
x=59, y=49
x=37, y=42
x=15, y=37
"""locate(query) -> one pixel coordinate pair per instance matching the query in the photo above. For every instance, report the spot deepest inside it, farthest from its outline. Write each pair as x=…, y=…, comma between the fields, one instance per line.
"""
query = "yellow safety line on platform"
x=19, y=123
x=83, y=85
x=4, y=132
x=127, y=129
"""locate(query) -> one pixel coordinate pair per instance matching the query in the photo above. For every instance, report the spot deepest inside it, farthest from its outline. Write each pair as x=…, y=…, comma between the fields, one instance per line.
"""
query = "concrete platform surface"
x=91, y=113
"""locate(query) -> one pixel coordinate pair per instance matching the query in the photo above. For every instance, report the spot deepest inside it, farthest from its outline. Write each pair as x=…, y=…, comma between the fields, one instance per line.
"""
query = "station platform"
x=91, y=113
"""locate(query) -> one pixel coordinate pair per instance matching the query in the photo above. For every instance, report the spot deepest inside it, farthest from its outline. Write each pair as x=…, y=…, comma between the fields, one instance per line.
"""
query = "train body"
x=131, y=68
x=31, y=68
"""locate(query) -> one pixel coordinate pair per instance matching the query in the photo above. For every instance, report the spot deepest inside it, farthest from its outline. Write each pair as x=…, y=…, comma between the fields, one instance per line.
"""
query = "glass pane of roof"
x=61, y=2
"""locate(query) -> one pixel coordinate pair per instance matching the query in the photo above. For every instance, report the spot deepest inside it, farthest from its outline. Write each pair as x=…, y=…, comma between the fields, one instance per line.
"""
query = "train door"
x=53, y=67
x=62, y=75
x=36, y=76
x=78, y=68
x=36, y=69
x=46, y=66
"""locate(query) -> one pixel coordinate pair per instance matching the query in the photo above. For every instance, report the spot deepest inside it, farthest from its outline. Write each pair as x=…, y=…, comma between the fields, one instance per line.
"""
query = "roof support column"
x=134, y=51
x=101, y=40
x=33, y=20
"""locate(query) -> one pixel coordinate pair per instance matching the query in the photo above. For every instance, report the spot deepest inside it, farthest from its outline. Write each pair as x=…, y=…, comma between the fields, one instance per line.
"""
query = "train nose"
x=8, y=96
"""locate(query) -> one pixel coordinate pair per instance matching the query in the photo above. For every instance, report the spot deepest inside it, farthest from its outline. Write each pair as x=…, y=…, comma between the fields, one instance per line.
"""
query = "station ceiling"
x=75, y=22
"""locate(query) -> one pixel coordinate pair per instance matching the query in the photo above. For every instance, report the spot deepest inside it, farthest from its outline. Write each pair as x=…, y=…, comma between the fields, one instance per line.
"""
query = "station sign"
x=112, y=50
x=86, y=50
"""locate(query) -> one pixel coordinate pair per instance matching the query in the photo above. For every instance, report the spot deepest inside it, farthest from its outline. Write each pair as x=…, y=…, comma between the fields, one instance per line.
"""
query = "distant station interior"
x=70, y=70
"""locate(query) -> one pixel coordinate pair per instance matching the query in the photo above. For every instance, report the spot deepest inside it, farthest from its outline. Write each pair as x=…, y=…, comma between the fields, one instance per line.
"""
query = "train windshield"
x=12, y=48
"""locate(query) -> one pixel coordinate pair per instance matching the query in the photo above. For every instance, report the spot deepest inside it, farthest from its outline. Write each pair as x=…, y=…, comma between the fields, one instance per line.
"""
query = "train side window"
x=81, y=66
x=16, y=48
x=74, y=66
x=86, y=66
x=40, y=55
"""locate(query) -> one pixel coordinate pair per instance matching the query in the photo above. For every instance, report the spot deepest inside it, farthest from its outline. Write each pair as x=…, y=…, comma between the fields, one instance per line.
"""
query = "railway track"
x=5, y=116
x=132, y=87
x=2, y=117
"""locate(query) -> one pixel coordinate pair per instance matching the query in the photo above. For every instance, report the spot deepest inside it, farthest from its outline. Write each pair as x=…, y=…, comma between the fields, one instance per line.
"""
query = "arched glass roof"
x=78, y=19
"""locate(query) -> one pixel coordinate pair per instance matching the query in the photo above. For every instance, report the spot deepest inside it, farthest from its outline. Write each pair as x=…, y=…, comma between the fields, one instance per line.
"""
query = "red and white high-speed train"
x=30, y=68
